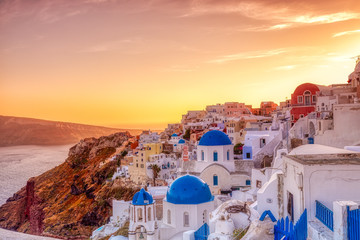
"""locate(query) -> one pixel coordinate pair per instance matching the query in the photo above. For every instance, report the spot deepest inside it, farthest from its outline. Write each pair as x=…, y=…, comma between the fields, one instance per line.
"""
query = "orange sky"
x=142, y=64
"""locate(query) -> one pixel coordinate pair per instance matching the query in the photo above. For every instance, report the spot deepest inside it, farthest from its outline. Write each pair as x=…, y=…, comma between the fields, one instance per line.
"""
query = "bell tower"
x=143, y=225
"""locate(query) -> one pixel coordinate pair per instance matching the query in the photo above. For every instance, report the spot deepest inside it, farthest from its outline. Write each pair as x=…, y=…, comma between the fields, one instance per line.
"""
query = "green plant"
x=155, y=170
x=186, y=136
x=238, y=148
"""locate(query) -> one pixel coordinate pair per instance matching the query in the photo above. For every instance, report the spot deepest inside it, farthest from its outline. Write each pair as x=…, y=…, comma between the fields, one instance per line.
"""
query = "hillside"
x=28, y=131
x=74, y=198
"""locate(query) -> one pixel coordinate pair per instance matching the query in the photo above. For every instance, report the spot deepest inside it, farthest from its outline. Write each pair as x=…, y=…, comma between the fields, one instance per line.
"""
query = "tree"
x=155, y=170
x=186, y=136
x=238, y=148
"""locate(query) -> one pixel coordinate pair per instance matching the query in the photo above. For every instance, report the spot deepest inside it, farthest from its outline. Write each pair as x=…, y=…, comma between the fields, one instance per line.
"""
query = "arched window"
x=215, y=156
x=149, y=213
x=215, y=180
x=205, y=216
x=202, y=155
x=228, y=155
x=139, y=214
x=168, y=216
x=186, y=219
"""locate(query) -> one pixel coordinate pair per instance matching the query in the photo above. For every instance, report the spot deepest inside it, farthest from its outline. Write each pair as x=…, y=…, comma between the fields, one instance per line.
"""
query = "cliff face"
x=28, y=131
x=74, y=198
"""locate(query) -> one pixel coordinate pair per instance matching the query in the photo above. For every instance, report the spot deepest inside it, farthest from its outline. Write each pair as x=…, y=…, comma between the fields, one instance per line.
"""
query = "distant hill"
x=29, y=131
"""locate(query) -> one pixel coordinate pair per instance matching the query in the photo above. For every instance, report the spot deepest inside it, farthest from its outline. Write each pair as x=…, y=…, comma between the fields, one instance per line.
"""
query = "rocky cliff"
x=29, y=131
x=74, y=198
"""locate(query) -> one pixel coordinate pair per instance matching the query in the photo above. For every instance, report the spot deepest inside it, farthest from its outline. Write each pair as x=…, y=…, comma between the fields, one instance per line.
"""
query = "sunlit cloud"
x=346, y=33
x=281, y=17
x=288, y=67
x=248, y=55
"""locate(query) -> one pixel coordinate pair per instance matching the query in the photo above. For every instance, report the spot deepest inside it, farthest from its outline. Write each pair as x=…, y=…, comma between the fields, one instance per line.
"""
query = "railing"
x=325, y=215
x=353, y=220
x=285, y=230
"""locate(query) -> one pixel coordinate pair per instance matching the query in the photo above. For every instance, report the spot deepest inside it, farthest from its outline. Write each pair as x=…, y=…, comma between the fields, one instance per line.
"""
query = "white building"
x=308, y=174
x=186, y=208
x=149, y=137
x=143, y=223
x=168, y=164
x=215, y=164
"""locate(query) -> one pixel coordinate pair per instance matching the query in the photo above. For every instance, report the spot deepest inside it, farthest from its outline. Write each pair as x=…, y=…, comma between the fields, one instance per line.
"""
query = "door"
x=290, y=206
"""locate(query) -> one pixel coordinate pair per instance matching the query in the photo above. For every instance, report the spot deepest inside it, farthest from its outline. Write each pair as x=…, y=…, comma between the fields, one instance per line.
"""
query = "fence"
x=325, y=215
x=353, y=220
x=285, y=230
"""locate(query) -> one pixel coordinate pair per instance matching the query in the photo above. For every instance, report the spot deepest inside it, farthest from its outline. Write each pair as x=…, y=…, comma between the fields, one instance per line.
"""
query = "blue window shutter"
x=215, y=180
x=215, y=156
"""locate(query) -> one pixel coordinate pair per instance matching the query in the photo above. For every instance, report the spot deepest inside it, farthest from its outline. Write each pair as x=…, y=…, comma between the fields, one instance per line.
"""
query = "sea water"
x=19, y=163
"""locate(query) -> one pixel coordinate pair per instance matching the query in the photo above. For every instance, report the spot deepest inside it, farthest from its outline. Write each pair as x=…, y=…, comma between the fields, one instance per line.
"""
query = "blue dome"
x=142, y=198
x=214, y=138
x=188, y=189
x=174, y=135
x=181, y=141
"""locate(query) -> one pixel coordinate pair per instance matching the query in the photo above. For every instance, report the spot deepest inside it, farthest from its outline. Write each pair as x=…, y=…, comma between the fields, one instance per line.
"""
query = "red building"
x=303, y=101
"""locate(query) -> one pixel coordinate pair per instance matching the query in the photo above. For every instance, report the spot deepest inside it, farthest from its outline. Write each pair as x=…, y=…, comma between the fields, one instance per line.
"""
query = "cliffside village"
x=233, y=171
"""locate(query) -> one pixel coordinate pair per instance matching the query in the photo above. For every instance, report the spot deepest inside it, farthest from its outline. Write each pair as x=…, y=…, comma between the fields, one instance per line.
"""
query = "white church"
x=186, y=209
x=215, y=164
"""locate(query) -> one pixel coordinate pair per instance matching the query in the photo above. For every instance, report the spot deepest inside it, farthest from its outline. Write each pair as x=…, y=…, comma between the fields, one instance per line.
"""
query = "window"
x=301, y=115
x=292, y=117
x=139, y=214
x=186, y=219
x=149, y=213
x=142, y=165
x=300, y=99
x=262, y=142
x=307, y=100
x=228, y=155
x=215, y=180
x=248, y=155
x=215, y=156
x=202, y=155
x=314, y=98
x=248, y=182
x=258, y=184
x=137, y=165
x=168, y=216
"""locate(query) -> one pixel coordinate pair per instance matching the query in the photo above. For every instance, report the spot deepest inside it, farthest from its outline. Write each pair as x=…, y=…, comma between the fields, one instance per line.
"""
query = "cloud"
x=248, y=55
x=279, y=16
x=346, y=33
x=287, y=67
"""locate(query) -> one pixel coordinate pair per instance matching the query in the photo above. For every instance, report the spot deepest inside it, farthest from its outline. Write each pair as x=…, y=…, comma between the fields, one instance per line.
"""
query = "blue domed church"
x=186, y=208
x=215, y=163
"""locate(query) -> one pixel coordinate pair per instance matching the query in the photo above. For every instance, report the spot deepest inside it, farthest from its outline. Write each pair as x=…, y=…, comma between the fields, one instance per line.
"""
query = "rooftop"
x=314, y=154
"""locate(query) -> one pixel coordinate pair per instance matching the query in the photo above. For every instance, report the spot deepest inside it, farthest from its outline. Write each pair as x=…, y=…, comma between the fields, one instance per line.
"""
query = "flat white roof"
x=318, y=149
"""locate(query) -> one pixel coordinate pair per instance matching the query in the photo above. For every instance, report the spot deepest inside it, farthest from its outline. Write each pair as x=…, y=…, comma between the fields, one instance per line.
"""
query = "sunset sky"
x=142, y=64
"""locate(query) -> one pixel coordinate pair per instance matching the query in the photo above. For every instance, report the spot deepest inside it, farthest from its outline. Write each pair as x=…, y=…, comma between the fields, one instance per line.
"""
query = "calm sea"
x=19, y=163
